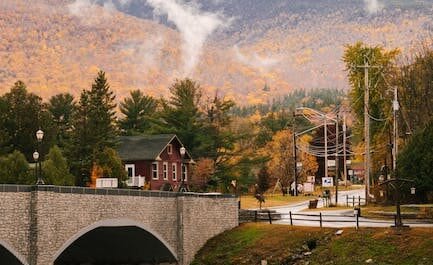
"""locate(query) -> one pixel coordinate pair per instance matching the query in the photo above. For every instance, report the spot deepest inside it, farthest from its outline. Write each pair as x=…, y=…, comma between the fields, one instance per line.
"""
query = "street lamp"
x=182, y=151
x=396, y=184
x=39, y=137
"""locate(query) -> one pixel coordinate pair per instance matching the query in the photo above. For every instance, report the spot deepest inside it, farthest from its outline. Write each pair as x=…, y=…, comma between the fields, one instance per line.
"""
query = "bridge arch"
x=157, y=246
x=9, y=256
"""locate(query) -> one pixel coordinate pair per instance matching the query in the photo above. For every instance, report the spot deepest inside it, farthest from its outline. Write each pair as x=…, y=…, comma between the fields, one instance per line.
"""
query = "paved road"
x=339, y=218
x=304, y=205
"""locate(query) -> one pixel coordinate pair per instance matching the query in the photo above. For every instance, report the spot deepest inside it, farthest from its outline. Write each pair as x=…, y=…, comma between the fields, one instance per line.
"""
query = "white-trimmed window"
x=155, y=170
x=130, y=169
x=165, y=170
x=174, y=171
x=184, y=172
x=170, y=149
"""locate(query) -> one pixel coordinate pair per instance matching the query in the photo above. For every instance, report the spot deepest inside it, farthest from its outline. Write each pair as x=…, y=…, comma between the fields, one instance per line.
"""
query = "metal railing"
x=107, y=191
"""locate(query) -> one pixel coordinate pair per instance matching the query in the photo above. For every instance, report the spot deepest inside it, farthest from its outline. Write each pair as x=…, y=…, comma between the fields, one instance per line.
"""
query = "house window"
x=130, y=169
x=169, y=149
x=155, y=170
x=174, y=171
x=184, y=172
x=165, y=170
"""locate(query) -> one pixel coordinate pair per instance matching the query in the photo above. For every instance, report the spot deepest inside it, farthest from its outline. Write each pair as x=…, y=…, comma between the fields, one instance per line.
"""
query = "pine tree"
x=95, y=130
x=138, y=110
x=102, y=114
x=181, y=114
x=62, y=108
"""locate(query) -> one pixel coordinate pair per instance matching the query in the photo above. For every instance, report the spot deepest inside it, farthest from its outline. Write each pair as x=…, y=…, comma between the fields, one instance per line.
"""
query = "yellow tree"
x=281, y=161
x=280, y=153
x=309, y=162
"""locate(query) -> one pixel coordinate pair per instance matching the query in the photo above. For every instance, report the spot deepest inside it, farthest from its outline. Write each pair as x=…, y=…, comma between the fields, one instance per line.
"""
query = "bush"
x=14, y=169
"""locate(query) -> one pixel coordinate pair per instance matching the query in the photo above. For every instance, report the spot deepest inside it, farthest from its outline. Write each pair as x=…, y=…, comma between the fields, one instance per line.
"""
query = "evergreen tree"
x=181, y=115
x=56, y=170
x=415, y=162
x=94, y=128
x=4, y=134
x=24, y=114
x=217, y=140
x=138, y=110
x=62, y=108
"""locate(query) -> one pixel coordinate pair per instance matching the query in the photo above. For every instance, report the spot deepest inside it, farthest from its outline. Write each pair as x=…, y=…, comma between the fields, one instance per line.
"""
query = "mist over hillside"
x=235, y=47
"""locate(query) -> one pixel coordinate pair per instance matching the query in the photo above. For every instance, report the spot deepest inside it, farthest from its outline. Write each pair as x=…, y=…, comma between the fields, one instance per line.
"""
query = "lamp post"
x=396, y=184
x=36, y=156
x=182, y=151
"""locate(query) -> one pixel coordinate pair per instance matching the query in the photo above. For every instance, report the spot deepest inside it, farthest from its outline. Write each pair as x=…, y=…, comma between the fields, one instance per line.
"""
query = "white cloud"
x=255, y=60
x=373, y=6
x=85, y=9
x=194, y=25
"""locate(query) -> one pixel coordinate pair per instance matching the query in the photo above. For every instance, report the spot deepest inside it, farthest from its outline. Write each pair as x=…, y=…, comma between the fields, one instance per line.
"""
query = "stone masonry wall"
x=204, y=218
x=61, y=216
x=38, y=222
x=15, y=221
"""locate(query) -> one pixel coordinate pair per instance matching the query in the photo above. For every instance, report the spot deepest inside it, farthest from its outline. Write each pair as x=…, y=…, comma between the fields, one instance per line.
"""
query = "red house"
x=155, y=160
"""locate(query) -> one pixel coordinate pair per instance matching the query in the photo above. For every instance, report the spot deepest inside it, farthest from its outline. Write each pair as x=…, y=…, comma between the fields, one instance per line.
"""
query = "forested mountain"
x=238, y=47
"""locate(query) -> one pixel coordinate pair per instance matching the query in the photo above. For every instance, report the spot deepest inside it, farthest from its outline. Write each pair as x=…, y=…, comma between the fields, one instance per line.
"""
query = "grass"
x=278, y=244
x=249, y=202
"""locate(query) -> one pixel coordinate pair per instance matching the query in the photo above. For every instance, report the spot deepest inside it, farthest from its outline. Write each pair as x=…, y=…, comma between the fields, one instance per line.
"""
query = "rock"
x=369, y=261
x=339, y=232
x=264, y=262
x=307, y=253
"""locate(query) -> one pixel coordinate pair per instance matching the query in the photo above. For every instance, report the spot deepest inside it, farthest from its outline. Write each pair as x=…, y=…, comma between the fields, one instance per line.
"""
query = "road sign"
x=327, y=182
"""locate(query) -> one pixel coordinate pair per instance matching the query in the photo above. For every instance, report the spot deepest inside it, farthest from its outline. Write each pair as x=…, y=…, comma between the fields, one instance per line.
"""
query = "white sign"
x=327, y=182
x=311, y=179
x=308, y=187
x=331, y=163
x=106, y=183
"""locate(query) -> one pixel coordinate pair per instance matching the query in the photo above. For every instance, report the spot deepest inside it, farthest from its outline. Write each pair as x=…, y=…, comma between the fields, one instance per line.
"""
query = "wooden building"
x=155, y=161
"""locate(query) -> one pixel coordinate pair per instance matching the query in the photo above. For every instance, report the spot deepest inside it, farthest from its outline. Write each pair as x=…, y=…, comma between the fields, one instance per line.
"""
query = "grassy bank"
x=278, y=244
x=271, y=200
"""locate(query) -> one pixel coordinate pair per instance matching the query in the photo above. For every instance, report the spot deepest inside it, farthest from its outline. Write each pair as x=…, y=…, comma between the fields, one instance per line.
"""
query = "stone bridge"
x=46, y=225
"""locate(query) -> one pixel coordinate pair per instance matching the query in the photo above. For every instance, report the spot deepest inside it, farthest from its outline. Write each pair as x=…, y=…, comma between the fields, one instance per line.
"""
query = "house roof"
x=144, y=147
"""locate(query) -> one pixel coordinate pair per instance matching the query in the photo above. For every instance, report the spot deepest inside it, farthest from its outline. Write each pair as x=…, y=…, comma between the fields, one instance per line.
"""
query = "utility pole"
x=295, y=169
x=344, y=149
x=366, y=67
x=337, y=170
x=366, y=132
x=395, y=107
x=326, y=145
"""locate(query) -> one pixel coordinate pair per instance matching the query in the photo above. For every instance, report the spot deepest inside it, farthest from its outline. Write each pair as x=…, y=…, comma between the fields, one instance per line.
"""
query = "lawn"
x=279, y=244
x=250, y=202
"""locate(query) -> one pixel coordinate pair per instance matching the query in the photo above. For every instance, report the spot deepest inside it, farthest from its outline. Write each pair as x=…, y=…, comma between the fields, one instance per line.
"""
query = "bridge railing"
x=107, y=191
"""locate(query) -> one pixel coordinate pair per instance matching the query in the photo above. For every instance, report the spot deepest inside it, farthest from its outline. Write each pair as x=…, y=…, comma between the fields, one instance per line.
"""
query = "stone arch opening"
x=9, y=256
x=115, y=242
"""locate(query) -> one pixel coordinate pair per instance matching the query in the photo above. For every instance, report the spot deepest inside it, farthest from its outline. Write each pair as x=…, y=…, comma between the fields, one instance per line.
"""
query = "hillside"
x=58, y=45
x=282, y=244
